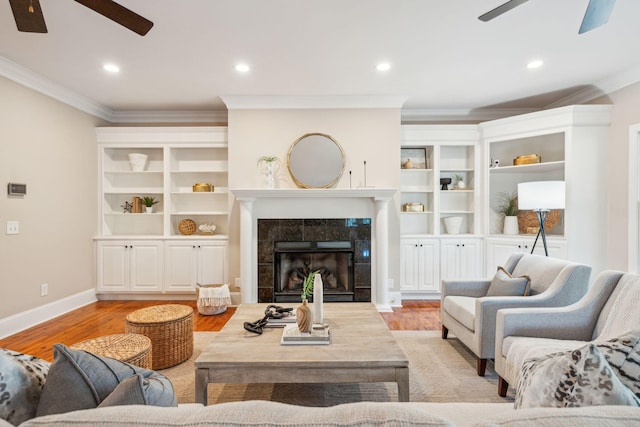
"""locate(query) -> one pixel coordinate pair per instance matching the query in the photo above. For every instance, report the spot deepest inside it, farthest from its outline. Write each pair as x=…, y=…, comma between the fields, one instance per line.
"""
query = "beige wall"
x=626, y=112
x=364, y=134
x=50, y=147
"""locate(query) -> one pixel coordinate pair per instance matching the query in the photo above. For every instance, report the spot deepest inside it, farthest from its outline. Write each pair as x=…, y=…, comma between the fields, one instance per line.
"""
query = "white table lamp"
x=541, y=197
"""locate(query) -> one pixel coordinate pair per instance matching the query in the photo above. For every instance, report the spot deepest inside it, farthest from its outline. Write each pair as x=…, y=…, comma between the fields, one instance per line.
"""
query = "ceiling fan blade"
x=119, y=14
x=503, y=8
x=26, y=21
x=597, y=14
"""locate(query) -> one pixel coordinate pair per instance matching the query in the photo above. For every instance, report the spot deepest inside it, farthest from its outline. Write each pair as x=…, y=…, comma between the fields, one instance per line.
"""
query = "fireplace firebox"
x=332, y=260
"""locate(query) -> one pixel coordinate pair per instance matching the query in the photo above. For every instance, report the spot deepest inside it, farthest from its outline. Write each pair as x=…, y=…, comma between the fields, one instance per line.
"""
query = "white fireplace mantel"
x=255, y=193
x=249, y=197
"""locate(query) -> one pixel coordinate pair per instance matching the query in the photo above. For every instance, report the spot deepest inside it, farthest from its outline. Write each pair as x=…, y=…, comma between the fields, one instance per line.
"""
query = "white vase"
x=149, y=209
x=453, y=224
x=137, y=161
x=510, y=225
x=461, y=185
x=270, y=169
x=318, y=299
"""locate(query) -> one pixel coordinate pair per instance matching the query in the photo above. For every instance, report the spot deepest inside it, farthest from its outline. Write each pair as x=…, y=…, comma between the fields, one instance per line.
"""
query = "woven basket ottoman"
x=131, y=348
x=170, y=329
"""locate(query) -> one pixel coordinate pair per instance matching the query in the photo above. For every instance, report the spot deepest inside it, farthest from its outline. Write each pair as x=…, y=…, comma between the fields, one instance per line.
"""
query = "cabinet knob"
x=526, y=246
x=463, y=245
x=519, y=246
x=458, y=245
x=421, y=245
x=199, y=246
x=194, y=246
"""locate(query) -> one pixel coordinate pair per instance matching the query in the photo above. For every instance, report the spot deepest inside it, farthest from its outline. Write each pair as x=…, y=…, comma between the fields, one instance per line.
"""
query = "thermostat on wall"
x=17, y=189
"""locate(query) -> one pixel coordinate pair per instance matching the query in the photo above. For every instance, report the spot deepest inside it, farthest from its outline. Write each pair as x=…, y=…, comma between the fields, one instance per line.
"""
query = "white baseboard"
x=25, y=320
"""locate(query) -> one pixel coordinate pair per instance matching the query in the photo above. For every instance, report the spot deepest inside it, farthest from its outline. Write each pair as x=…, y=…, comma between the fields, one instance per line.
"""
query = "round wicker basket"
x=528, y=221
x=187, y=227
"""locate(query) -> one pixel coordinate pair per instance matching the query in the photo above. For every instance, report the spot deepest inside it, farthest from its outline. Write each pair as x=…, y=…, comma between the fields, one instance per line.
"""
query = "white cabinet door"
x=113, y=266
x=182, y=265
x=192, y=262
x=500, y=249
x=461, y=259
x=470, y=259
x=419, y=266
x=130, y=265
x=212, y=263
x=146, y=271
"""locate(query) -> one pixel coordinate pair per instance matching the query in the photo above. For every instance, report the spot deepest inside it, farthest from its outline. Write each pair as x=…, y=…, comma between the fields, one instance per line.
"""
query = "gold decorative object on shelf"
x=527, y=159
x=202, y=187
x=413, y=207
x=187, y=227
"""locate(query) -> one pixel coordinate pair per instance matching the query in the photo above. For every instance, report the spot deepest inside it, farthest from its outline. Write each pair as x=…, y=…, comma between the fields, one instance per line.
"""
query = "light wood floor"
x=108, y=317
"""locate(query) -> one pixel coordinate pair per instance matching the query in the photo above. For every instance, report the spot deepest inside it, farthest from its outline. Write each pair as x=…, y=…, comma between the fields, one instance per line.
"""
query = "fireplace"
x=288, y=249
x=332, y=260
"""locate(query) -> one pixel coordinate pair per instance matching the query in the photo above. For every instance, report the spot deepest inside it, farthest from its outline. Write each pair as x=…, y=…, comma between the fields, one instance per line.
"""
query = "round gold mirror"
x=315, y=160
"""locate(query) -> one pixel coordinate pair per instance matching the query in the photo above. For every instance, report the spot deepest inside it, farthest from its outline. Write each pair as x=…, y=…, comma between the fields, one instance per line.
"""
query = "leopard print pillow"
x=581, y=377
x=623, y=355
x=22, y=378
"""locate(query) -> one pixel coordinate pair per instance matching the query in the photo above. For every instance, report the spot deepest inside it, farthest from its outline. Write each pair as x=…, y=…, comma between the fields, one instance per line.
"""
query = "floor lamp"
x=541, y=197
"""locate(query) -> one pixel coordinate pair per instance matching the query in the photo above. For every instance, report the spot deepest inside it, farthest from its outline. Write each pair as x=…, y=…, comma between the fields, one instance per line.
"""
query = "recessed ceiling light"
x=112, y=68
x=242, y=68
x=383, y=66
x=535, y=64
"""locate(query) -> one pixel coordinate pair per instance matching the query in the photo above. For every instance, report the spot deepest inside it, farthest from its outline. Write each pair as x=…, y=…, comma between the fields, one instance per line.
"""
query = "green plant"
x=458, y=178
x=509, y=204
x=149, y=201
x=268, y=159
x=307, y=286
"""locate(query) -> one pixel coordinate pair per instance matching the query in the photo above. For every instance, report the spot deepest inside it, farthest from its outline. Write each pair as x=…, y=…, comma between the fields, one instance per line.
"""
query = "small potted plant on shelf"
x=460, y=185
x=149, y=201
x=509, y=207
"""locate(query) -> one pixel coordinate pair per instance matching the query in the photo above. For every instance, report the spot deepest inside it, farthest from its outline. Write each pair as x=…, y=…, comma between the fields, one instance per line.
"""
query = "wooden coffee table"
x=362, y=349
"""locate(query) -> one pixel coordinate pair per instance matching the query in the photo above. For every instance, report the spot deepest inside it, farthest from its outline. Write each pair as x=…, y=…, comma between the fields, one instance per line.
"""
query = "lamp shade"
x=541, y=195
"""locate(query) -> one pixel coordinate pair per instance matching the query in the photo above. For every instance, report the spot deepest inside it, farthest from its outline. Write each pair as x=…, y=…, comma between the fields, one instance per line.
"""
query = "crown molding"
x=603, y=87
x=28, y=78
x=286, y=102
x=471, y=115
x=218, y=117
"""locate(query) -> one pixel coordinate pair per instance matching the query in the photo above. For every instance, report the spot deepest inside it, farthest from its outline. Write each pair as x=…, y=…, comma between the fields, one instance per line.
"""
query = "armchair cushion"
x=462, y=309
x=504, y=284
x=517, y=350
x=581, y=377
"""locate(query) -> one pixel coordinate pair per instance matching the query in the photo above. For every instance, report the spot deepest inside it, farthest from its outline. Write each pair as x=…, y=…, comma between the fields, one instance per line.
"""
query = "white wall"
x=626, y=112
x=364, y=134
x=50, y=147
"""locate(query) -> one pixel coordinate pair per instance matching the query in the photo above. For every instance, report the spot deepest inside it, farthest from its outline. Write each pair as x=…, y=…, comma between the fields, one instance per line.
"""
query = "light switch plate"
x=13, y=227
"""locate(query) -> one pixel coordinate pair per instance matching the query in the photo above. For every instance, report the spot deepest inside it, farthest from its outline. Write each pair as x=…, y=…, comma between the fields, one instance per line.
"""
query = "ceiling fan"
x=597, y=14
x=29, y=18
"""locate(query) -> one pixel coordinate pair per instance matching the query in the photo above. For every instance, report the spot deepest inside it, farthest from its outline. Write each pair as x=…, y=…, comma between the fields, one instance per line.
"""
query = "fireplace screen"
x=294, y=261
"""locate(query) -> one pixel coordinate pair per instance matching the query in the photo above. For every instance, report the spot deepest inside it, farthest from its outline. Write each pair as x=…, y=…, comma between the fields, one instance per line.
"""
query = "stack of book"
x=291, y=335
x=288, y=319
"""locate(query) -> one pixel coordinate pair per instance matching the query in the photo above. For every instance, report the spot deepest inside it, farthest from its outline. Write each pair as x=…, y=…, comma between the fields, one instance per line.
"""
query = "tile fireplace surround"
x=319, y=204
x=355, y=231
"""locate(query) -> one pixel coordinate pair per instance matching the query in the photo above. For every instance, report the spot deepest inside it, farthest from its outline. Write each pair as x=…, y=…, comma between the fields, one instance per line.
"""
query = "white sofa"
x=263, y=413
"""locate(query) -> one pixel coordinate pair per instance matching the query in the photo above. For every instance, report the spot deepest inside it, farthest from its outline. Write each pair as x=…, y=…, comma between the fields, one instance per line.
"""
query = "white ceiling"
x=442, y=56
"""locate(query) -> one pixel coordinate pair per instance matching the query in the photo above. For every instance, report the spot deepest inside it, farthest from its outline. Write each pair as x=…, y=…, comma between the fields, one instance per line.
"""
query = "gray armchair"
x=532, y=332
x=470, y=315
